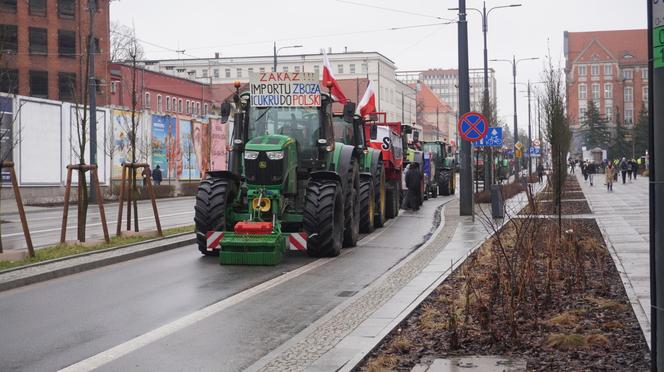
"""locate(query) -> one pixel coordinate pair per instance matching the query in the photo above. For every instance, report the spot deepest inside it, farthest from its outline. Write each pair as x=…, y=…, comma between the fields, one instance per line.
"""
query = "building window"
x=316, y=69
x=168, y=103
x=644, y=98
x=628, y=74
x=582, y=112
x=37, y=7
x=205, y=72
x=582, y=70
x=250, y=71
x=594, y=70
x=340, y=69
x=365, y=68
x=595, y=88
x=205, y=109
x=285, y=69
x=608, y=70
x=297, y=68
x=8, y=38
x=608, y=91
x=38, y=40
x=629, y=115
x=66, y=9
x=352, y=68
x=39, y=84
x=66, y=85
x=261, y=70
x=159, y=103
x=146, y=103
x=227, y=72
x=583, y=93
x=239, y=72
x=198, y=108
x=609, y=113
x=180, y=105
x=629, y=94
x=644, y=73
x=66, y=43
x=8, y=81
x=215, y=72
x=8, y=6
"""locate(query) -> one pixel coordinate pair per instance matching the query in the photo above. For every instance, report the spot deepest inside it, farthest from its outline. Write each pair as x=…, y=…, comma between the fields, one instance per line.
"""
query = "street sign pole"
x=466, y=176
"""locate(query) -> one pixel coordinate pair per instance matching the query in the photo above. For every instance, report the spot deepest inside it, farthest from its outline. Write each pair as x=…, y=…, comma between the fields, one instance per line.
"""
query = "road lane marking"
x=105, y=357
x=92, y=224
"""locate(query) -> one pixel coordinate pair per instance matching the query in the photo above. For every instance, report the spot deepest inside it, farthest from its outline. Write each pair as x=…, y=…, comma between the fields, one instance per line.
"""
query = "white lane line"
x=145, y=339
x=161, y=216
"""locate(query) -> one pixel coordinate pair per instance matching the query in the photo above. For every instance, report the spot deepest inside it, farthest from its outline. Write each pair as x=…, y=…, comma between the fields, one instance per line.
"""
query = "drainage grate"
x=346, y=293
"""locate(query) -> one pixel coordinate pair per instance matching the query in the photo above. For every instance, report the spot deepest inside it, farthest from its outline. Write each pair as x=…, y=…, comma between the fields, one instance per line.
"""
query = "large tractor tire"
x=434, y=190
x=367, y=206
x=352, y=208
x=389, y=203
x=210, y=210
x=324, y=218
x=444, y=185
x=380, y=197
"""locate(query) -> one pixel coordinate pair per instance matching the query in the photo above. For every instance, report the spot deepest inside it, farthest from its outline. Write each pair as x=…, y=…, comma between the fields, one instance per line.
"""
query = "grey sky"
x=239, y=28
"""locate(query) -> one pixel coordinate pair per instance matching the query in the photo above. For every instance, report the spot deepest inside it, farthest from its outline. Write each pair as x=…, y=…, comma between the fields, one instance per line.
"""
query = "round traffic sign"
x=472, y=126
x=536, y=143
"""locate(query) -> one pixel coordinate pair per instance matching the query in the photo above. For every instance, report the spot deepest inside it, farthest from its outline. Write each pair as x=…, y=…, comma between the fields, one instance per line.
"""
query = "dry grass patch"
x=566, y=342
x=563, y=319
x=606, y=304
x=383, y=363
x=597, y=339
x=401, y=344
x=431, y=318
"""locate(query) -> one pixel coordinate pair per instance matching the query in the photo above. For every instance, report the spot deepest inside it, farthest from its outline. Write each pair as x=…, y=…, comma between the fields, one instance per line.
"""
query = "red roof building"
x=609, y=68
x=435, y=116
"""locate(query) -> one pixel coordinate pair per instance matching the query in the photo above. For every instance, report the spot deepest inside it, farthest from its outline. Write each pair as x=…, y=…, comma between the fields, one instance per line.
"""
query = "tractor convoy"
x=299, y=176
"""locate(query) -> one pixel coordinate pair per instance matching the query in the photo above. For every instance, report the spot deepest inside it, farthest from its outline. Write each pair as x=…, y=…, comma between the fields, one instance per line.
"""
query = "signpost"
x=284, y=89
x=472, y=127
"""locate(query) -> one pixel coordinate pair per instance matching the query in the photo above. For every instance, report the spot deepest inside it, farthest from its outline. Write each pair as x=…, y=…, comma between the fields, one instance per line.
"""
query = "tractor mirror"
x=349, y=112
x=406, y=129
x=225, y=112
x=416, y=135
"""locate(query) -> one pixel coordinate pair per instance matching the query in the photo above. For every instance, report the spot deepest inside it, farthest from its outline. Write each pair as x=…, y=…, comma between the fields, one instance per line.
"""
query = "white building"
x=445, y=83
x=393, y=97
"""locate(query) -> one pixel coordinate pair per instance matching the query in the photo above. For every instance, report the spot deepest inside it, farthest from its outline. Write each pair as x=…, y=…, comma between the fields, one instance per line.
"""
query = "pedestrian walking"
x=623, y=169
x=584, y=171
x=635, y=168
x=629, y=170
x=591, y=169
x=572, y=165
x=609, y=173
x=146, y=173
x=540, y=172
x=156, y=175
x=413, y=184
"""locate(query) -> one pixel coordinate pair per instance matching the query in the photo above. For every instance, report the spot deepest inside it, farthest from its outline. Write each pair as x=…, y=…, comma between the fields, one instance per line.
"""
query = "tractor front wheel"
x=367, y=206
x=380, y=197
x=324, y=218
x=210, y=211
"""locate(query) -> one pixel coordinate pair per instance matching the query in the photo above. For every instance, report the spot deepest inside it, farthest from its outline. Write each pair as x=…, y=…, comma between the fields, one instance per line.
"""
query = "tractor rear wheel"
x=324, y=218
x=367, y=206
x=380, y=197
x=210, y=211
x=352, y=208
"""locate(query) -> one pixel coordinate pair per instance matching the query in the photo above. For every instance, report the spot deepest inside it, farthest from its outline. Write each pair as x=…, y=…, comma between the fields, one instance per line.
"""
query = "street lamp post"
x=514, y=63
x=276, y=51
x=486, y=102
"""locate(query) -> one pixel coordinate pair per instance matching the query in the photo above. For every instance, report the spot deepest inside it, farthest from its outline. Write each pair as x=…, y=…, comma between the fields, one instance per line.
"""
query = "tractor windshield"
x=343, y=131
x=299, y=123
x=433, y=148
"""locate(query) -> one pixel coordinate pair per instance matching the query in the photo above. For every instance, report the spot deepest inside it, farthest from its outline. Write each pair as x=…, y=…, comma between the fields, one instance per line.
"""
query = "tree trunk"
x=1, y=251
x=82, y=205
x=134, y=189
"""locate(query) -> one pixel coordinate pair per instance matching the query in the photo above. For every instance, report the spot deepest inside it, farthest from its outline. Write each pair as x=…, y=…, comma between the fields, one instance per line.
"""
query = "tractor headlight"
x=251, y=155
x=275, y=155
x=262, y=204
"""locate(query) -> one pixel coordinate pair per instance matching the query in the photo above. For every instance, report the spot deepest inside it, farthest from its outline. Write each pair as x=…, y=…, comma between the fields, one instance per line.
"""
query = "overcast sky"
x=241, y=28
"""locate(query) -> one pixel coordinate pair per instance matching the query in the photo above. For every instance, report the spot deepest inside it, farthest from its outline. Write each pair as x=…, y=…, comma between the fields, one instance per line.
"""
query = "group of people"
x=627, y=168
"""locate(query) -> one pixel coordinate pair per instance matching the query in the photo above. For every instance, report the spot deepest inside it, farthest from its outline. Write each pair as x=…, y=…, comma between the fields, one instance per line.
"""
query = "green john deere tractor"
x=441, y=168
x=289, y=186
x=372, y=178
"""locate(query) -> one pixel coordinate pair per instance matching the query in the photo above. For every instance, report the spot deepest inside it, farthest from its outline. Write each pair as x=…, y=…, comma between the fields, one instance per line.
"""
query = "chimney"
x=216, y=55
x=329, y=50
x=345, y=49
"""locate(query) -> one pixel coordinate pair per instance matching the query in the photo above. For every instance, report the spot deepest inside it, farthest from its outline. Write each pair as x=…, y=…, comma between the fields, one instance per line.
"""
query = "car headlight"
x=275, y=155
x=251, y=155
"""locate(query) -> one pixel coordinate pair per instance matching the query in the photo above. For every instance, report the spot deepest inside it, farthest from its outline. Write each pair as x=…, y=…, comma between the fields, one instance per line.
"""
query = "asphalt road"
x=45, y=223
x=179, y=311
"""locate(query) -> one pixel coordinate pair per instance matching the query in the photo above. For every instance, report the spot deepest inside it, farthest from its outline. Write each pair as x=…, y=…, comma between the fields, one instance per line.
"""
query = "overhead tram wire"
x=395, y=10
x=153, y=44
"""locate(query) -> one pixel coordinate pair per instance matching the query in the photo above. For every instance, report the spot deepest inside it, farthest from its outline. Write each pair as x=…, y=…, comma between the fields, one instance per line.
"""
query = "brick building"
x=159, y=92
x=43, y=43
x=436, y=117
x=609, y=68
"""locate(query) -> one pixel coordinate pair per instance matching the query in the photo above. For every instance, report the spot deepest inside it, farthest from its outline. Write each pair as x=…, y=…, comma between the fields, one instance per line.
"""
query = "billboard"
x=188, y=160
x=201, y=140
x=285, y=89
x=6, y=135
x=218, y=145
x=163, y=136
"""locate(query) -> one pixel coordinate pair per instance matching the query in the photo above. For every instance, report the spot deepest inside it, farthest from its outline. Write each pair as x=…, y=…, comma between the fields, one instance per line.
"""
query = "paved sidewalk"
x=622, y=215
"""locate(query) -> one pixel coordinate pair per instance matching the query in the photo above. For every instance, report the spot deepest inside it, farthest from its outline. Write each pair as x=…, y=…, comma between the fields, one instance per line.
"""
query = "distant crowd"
x=627, y=169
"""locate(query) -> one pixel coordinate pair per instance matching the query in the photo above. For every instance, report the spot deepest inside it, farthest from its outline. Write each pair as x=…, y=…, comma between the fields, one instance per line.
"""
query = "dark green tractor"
x=289, y=186
x=372, y=178
x=441, y=165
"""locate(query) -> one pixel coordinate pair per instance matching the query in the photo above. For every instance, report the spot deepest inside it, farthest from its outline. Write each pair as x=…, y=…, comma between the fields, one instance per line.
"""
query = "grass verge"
x=66, y=250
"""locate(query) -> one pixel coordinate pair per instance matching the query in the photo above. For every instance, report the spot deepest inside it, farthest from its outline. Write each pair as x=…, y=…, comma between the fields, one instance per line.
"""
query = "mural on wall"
x=218, y=145
x=121, y=124
x=188, y=158
x=6, y=135
x=201, y=140
x=162, y=143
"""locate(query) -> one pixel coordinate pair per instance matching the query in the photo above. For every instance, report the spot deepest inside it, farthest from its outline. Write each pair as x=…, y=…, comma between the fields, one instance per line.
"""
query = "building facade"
x=43, y=46
x=393, y=97
x=609, y=68
x=445, y=83
x=436, y=117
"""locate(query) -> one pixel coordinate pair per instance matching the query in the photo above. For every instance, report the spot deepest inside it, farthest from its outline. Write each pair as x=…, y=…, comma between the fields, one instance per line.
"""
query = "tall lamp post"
x=485, y=28
x=515, y=63
x=276, y=51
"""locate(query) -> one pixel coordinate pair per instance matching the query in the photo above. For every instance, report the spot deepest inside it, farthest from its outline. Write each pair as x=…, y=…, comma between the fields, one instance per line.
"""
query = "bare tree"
x=188, y=151
x=123, y=43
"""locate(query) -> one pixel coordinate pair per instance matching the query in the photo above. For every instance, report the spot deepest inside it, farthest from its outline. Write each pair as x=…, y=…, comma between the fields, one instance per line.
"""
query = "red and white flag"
x=328, y=77
x=367, y=104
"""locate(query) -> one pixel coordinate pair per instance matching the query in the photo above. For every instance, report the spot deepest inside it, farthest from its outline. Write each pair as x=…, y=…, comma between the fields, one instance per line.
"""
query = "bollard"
x=497, y=208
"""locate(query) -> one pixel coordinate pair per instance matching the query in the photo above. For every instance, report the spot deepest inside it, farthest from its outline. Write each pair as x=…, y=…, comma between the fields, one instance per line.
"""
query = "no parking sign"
x=472, y=126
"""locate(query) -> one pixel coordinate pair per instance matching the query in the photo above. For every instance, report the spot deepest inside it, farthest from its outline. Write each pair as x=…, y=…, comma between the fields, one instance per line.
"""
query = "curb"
x=40, y=272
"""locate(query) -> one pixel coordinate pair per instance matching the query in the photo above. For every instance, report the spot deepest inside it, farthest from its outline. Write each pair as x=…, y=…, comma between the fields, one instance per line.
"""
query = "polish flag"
x=328, y=77
x=367, y=104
